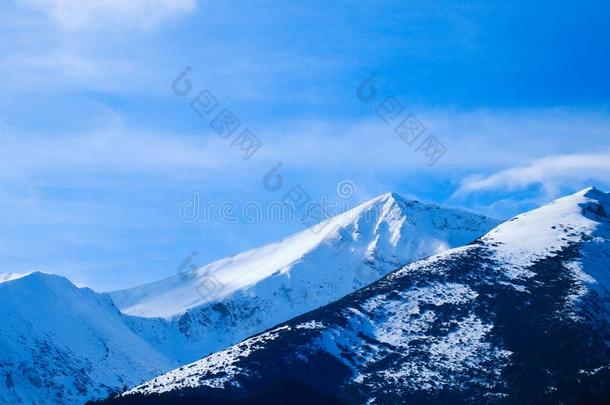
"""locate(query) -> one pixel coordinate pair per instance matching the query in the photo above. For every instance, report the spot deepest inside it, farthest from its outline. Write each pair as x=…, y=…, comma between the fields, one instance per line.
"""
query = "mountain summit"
x=61, y=345
x=381, y=235
x=520, y=315
x=228, y=300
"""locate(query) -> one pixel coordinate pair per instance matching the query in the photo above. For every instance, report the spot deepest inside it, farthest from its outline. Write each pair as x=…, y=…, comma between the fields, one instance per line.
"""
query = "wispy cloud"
x=551, y=173
x=116, y=150
x=93, y=14
x=477, y=141
x=506, y=155
x=39, y=55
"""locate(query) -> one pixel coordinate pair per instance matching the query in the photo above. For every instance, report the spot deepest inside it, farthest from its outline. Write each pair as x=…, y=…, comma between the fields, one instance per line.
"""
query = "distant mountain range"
x=521, y=315
x=61, y=344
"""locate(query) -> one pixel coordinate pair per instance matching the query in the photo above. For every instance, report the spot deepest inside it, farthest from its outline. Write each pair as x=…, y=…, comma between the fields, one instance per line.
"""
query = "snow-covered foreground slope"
x=62, y=344
x=228, y=300
x=521, y=315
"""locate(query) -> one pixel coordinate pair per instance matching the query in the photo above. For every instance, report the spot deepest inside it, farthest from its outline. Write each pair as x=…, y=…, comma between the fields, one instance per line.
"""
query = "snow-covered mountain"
x=521, y=315
x=61, y=345
x=228, y=300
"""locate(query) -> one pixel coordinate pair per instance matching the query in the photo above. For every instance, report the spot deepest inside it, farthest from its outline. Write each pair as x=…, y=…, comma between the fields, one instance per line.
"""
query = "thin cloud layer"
x=471, y=139
x=91, y=14
x=550, y=173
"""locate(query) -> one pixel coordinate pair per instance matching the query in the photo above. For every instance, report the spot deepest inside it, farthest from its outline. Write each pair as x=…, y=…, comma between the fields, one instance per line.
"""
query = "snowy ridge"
x=529, y=298
x=11, y=276
x=385, y=232
x=62, y=344
x=528, y=237
x=270, y=285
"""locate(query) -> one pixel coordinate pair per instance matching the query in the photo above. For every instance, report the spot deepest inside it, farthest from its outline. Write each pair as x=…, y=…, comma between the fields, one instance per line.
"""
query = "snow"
x=310, y=325
x=386, y=231
x=219, y=368
x=390, y=326
x=266, y=286
x=464, y=348
x=4, y=277
x=539, y=233
x=63, y=345
x=382, y=329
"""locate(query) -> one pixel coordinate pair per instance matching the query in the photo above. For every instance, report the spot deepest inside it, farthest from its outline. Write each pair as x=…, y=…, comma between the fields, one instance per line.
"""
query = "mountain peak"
x=335, y=257
x=41, y=276
x=594, y=193
x=57, y=337
x=393, y=197
x=389, y=196
x=34, y=277
x=587, y=190
x=552, y=227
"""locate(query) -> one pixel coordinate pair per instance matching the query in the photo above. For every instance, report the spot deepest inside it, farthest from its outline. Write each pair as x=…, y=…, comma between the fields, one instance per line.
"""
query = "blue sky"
x=97, y=154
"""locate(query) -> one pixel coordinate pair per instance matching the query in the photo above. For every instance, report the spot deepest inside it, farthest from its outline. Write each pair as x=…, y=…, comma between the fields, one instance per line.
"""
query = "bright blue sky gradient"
x=97, y=153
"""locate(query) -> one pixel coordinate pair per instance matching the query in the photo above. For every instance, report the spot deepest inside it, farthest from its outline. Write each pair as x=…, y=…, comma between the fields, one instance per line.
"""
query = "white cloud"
x=91, y=14
x=476, y=143
x=551, y=173
x=113, y=151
